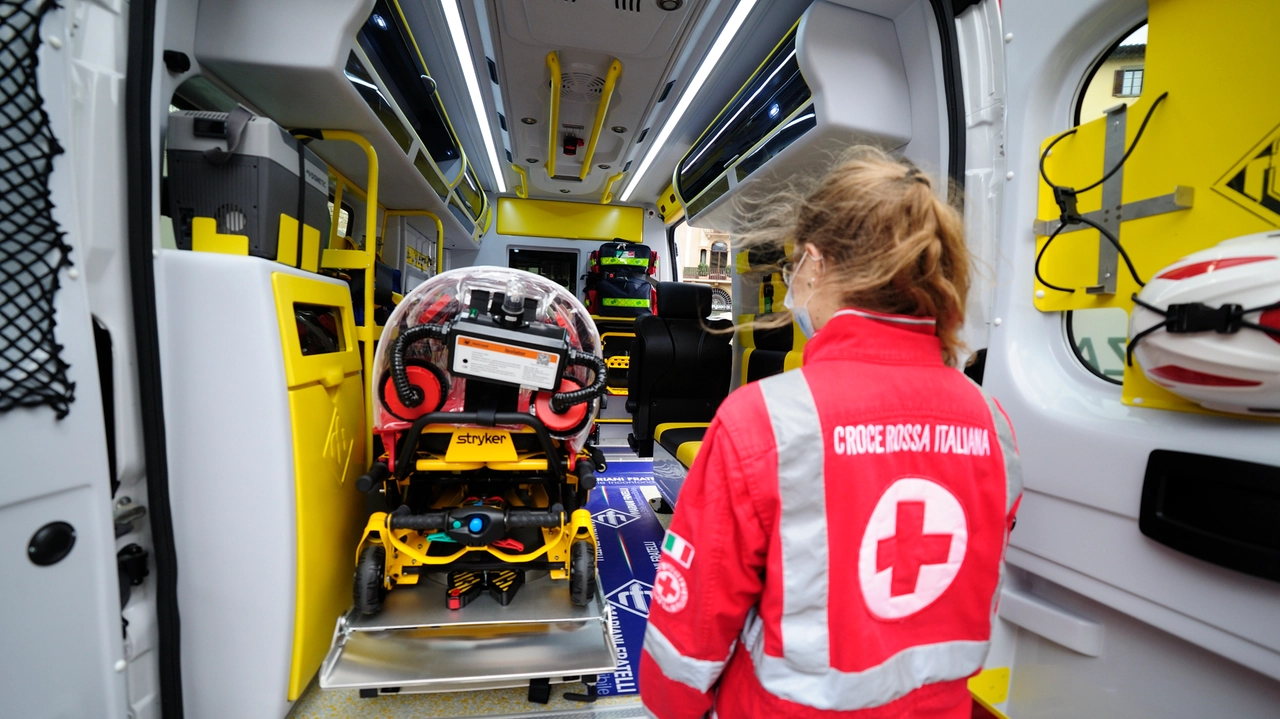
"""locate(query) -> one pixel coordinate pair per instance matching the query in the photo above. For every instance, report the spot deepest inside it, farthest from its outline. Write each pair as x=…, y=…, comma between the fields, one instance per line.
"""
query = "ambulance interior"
x=251, y=196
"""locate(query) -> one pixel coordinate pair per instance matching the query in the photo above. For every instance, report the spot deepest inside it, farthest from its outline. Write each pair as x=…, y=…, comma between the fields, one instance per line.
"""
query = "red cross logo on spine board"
x=912, y=548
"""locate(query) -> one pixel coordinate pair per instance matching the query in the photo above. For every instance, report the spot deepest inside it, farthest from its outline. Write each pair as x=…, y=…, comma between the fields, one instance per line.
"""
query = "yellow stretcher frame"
x=408, y=548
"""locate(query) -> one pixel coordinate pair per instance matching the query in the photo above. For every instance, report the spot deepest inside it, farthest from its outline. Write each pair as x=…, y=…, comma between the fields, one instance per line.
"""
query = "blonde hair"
x=888, y=243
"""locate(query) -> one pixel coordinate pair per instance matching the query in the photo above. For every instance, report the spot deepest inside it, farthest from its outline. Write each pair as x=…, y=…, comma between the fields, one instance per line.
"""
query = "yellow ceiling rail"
x=553, y=62
x=523, y=190
x=607, y=197
x=610, y=81
x=462, y=168
x=365, y=332
x=421, y=213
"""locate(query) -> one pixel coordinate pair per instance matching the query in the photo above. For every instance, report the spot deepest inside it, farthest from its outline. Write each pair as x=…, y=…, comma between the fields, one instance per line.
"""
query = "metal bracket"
x=1181, y=198
x=1113, y=211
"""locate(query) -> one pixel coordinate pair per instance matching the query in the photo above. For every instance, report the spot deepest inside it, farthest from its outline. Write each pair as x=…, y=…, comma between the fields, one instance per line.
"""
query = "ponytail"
x=890, y=244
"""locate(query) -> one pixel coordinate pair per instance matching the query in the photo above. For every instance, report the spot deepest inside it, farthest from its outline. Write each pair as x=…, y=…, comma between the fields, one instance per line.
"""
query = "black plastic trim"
x=953, y=85
x=1068, y=317
x=139, y=75
x=106, y=384
x=1220, y=510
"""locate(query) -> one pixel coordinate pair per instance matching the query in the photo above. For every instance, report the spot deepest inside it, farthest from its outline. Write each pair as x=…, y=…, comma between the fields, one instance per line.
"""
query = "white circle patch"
x=670, y=590
x=912, y=548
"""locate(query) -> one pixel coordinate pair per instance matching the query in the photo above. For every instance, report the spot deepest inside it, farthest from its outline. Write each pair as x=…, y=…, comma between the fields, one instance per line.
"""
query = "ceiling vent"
x=628, y=5
x=581, y=87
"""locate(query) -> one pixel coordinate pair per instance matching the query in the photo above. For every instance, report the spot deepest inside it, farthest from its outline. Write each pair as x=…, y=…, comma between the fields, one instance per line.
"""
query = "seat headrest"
x=683, y=301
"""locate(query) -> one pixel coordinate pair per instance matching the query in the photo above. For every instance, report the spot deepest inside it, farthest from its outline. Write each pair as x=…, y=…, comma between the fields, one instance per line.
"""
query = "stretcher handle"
x=376, y=475
x=521, y=518
x=406, y=454
x=513, y=518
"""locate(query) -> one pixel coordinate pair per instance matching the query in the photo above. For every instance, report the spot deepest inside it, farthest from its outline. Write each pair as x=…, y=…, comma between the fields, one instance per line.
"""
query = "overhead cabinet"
x=389, y=58
x=837, y=78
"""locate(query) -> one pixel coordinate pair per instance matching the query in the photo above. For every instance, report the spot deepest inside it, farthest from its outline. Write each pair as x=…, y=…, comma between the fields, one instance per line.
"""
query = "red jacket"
x=839, y=542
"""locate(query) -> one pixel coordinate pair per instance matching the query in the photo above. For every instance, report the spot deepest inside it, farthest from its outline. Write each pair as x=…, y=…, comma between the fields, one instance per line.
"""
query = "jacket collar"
x=876, y=337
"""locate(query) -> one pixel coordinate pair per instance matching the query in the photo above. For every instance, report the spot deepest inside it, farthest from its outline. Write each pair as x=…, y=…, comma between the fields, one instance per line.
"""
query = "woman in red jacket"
x=839, y=542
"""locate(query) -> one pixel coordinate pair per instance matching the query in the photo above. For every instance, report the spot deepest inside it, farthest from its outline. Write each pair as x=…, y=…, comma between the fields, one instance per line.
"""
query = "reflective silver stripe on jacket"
x=897, y=676
x=803, y=527
x=804, y=674
x=697, y=673
x=1012, y=477
x=1012, y=465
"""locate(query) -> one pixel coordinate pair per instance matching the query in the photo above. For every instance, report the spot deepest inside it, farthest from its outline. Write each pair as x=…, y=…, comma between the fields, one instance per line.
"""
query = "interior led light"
x=458, y=32
x=727, y=33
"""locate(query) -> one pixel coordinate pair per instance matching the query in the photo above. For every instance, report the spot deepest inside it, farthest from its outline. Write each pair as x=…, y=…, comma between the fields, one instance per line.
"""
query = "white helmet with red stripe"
x=1207, y=327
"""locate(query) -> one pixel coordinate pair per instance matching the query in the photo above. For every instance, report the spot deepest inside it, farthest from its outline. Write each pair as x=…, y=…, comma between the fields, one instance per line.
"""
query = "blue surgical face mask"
x=801, y=313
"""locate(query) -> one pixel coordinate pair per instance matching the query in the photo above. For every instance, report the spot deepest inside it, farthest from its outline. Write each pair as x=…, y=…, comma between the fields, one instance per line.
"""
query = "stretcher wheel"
x=429, y=379
x=369, y=589
x=582, y=572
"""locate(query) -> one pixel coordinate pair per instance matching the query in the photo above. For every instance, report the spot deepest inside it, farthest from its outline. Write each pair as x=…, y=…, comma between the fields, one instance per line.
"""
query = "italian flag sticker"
x=678, y=549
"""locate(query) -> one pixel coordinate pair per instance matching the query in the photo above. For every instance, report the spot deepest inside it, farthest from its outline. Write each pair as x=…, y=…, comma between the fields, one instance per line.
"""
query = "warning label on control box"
x=505, y=363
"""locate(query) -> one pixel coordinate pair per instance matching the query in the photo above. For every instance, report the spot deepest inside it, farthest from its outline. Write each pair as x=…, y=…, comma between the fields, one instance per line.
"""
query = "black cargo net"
x=32, y=251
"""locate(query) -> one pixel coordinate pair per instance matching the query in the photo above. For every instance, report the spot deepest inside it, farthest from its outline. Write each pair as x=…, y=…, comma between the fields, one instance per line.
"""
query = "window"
x=1098, y=337
x=712, y=267
x=388, y=45
x=344, y=220
x=1119, y=72
x=719, y=259
x=558, y=266
x=772, y=95
x=1128, y=82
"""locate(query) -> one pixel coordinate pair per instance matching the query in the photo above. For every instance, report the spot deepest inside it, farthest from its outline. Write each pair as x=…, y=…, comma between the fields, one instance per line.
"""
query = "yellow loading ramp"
x=417, y=644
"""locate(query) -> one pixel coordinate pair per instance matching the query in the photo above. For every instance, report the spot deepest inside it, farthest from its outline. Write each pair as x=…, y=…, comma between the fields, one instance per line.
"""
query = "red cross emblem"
x=670, y=590
x=912, y=548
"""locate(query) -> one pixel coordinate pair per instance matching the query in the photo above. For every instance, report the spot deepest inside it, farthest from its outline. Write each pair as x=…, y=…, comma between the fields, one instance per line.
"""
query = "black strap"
x=1191, y=317
x=237, y=119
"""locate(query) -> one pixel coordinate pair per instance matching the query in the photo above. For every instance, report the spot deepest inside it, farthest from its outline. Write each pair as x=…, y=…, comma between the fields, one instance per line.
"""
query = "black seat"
x=680, y=370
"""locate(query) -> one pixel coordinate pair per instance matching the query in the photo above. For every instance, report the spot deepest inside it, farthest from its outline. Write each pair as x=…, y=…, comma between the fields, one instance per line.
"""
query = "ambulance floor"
x=629, y=533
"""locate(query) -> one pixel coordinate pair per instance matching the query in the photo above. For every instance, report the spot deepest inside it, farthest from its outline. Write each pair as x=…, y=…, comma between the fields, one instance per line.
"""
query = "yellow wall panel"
x=569, y=220
x=326, y=407
x=1217, y=125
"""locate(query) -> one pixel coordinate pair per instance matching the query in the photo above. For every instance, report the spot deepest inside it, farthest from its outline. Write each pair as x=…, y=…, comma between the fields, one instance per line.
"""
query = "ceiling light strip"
x=458, y=32
x=727, y=33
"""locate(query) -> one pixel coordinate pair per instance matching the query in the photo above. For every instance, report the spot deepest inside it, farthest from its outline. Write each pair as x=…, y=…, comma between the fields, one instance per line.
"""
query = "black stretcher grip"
x=477, y=525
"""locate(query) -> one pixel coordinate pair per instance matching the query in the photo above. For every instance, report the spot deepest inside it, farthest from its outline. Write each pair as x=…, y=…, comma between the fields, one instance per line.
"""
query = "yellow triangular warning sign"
x=1254, y=181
